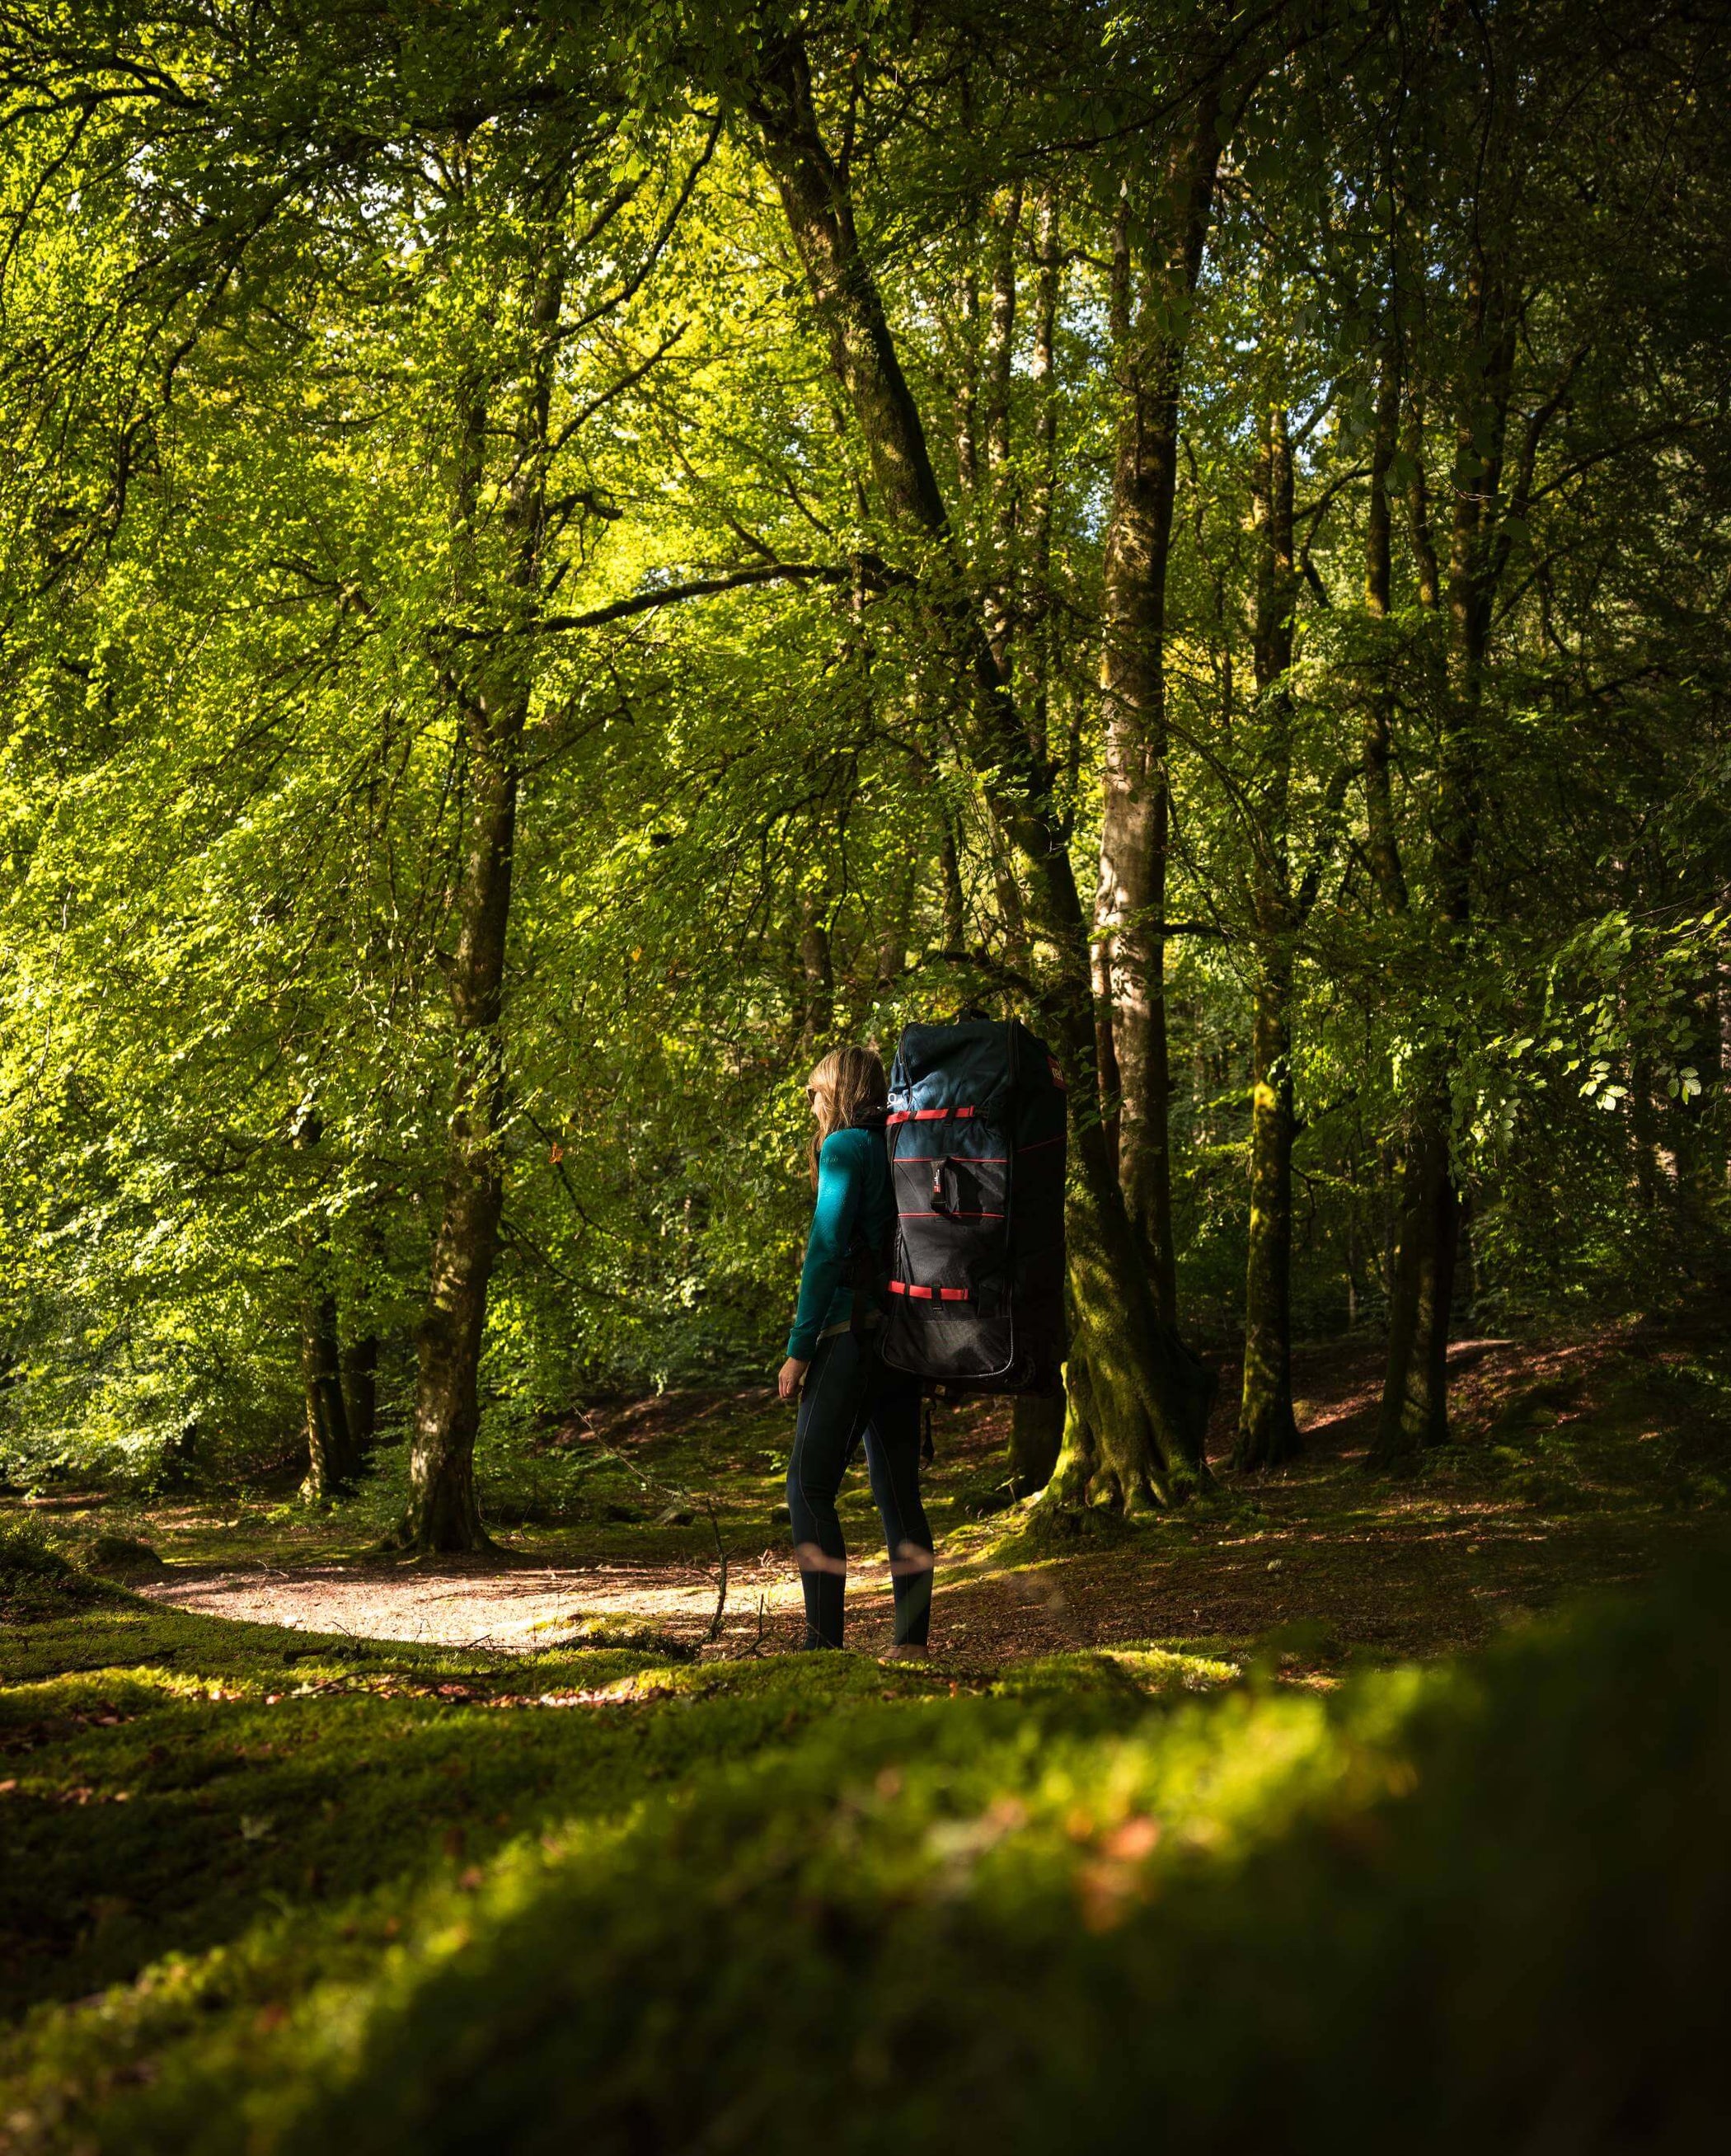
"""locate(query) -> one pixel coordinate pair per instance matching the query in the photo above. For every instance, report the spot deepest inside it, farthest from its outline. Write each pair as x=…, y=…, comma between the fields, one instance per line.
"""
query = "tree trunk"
x=1105, y=1020
x=361, y=1350
x=330, y=1460
x=1043, y=372
x=955, y=904
x=1155, y=265
x=331, y=1457
x=1037, y=1431
x=443, y=1514
x=967, y=388
x=1137, y=1411
x=1149, y=1398
x=1415, y=1398
x=893, y=932
x=360, y=1391
x=1382, y=845
x=1000, y=349
x=817, y=975
x=1267, y=1430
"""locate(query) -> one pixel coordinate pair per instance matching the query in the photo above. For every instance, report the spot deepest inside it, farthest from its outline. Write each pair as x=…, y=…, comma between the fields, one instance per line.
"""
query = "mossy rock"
x=535, y=1511
x=123, y=1556
x=1536, y=1407
x=1548, y=1492
x=627, y=1632
x=36, y=1576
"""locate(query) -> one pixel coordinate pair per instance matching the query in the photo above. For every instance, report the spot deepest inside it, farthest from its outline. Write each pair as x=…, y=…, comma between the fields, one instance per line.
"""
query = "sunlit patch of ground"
x=1579, y=1463
x=520, y=1607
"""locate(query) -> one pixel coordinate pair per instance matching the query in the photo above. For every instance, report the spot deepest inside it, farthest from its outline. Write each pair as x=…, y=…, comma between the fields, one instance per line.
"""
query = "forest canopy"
x=559, y=560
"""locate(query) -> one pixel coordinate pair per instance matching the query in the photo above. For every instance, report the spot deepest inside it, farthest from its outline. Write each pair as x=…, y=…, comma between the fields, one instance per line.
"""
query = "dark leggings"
x=847, y=1390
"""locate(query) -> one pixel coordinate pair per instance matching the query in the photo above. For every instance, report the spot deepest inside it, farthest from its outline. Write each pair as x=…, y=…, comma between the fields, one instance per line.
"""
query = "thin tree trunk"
x=1267, y=1431
x=1418, y=510
x=1011, y=913
x=1142, y=1438
x=1043, y=372
x=1415, y=1399
x=1036, y=1432
x=967, y=397
x=1154, y=276
x=360, y=1348
x=893, y=933
x=1382, y=845
x=1721, y=1097
x=999, y=350
x=1644, y=1135
x=443, y=1513
x=955, y=904
x=818, y=974
x=360, y=1391
x=331, y=1461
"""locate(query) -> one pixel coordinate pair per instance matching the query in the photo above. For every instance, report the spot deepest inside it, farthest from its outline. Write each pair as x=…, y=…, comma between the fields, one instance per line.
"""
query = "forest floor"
x=280, y=1817
x=1578, y=1463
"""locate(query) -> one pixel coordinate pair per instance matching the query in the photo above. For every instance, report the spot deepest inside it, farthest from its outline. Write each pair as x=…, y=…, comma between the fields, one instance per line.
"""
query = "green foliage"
x=255, y=275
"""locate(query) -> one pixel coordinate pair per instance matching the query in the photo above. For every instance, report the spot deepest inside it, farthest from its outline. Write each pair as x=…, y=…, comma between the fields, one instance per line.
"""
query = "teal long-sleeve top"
x=854, y=1205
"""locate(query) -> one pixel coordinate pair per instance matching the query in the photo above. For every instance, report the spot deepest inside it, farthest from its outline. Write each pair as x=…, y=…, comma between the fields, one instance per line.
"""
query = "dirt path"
x=516, y=1606
x=1405, y=1568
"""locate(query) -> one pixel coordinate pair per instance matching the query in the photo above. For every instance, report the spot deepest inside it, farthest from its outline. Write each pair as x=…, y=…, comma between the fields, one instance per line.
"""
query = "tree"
x=1138, y=1402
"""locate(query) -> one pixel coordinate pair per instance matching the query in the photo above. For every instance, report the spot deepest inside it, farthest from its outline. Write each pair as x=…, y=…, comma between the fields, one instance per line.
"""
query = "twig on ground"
x=681, y=1495
x=721, y=1561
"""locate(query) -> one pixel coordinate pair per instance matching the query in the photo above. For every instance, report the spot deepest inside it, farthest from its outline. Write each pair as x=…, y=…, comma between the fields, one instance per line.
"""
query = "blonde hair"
x=844, y=1085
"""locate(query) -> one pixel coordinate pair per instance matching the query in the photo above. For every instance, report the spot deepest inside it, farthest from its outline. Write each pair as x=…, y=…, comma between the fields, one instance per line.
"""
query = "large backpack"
x=977, y=1139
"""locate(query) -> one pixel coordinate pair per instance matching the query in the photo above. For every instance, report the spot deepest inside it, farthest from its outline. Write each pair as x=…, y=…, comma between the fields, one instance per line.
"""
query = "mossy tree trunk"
x=1143, y=1437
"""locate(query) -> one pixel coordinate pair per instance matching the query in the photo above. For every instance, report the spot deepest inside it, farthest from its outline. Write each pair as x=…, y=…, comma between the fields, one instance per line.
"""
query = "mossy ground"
x=264, y=1888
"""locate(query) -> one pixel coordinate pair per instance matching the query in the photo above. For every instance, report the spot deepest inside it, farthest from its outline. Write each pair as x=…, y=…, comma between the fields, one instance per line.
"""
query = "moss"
x=123, y=1556
x=1064, y=1907
x=36, y=1574
x=266, y=1889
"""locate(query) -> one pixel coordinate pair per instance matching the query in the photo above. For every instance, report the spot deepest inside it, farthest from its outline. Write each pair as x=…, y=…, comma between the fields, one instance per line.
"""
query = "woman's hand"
x=793, y=1373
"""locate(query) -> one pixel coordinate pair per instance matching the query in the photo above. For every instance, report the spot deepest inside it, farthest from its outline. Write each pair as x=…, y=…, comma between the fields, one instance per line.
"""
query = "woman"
x=834, y=1369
